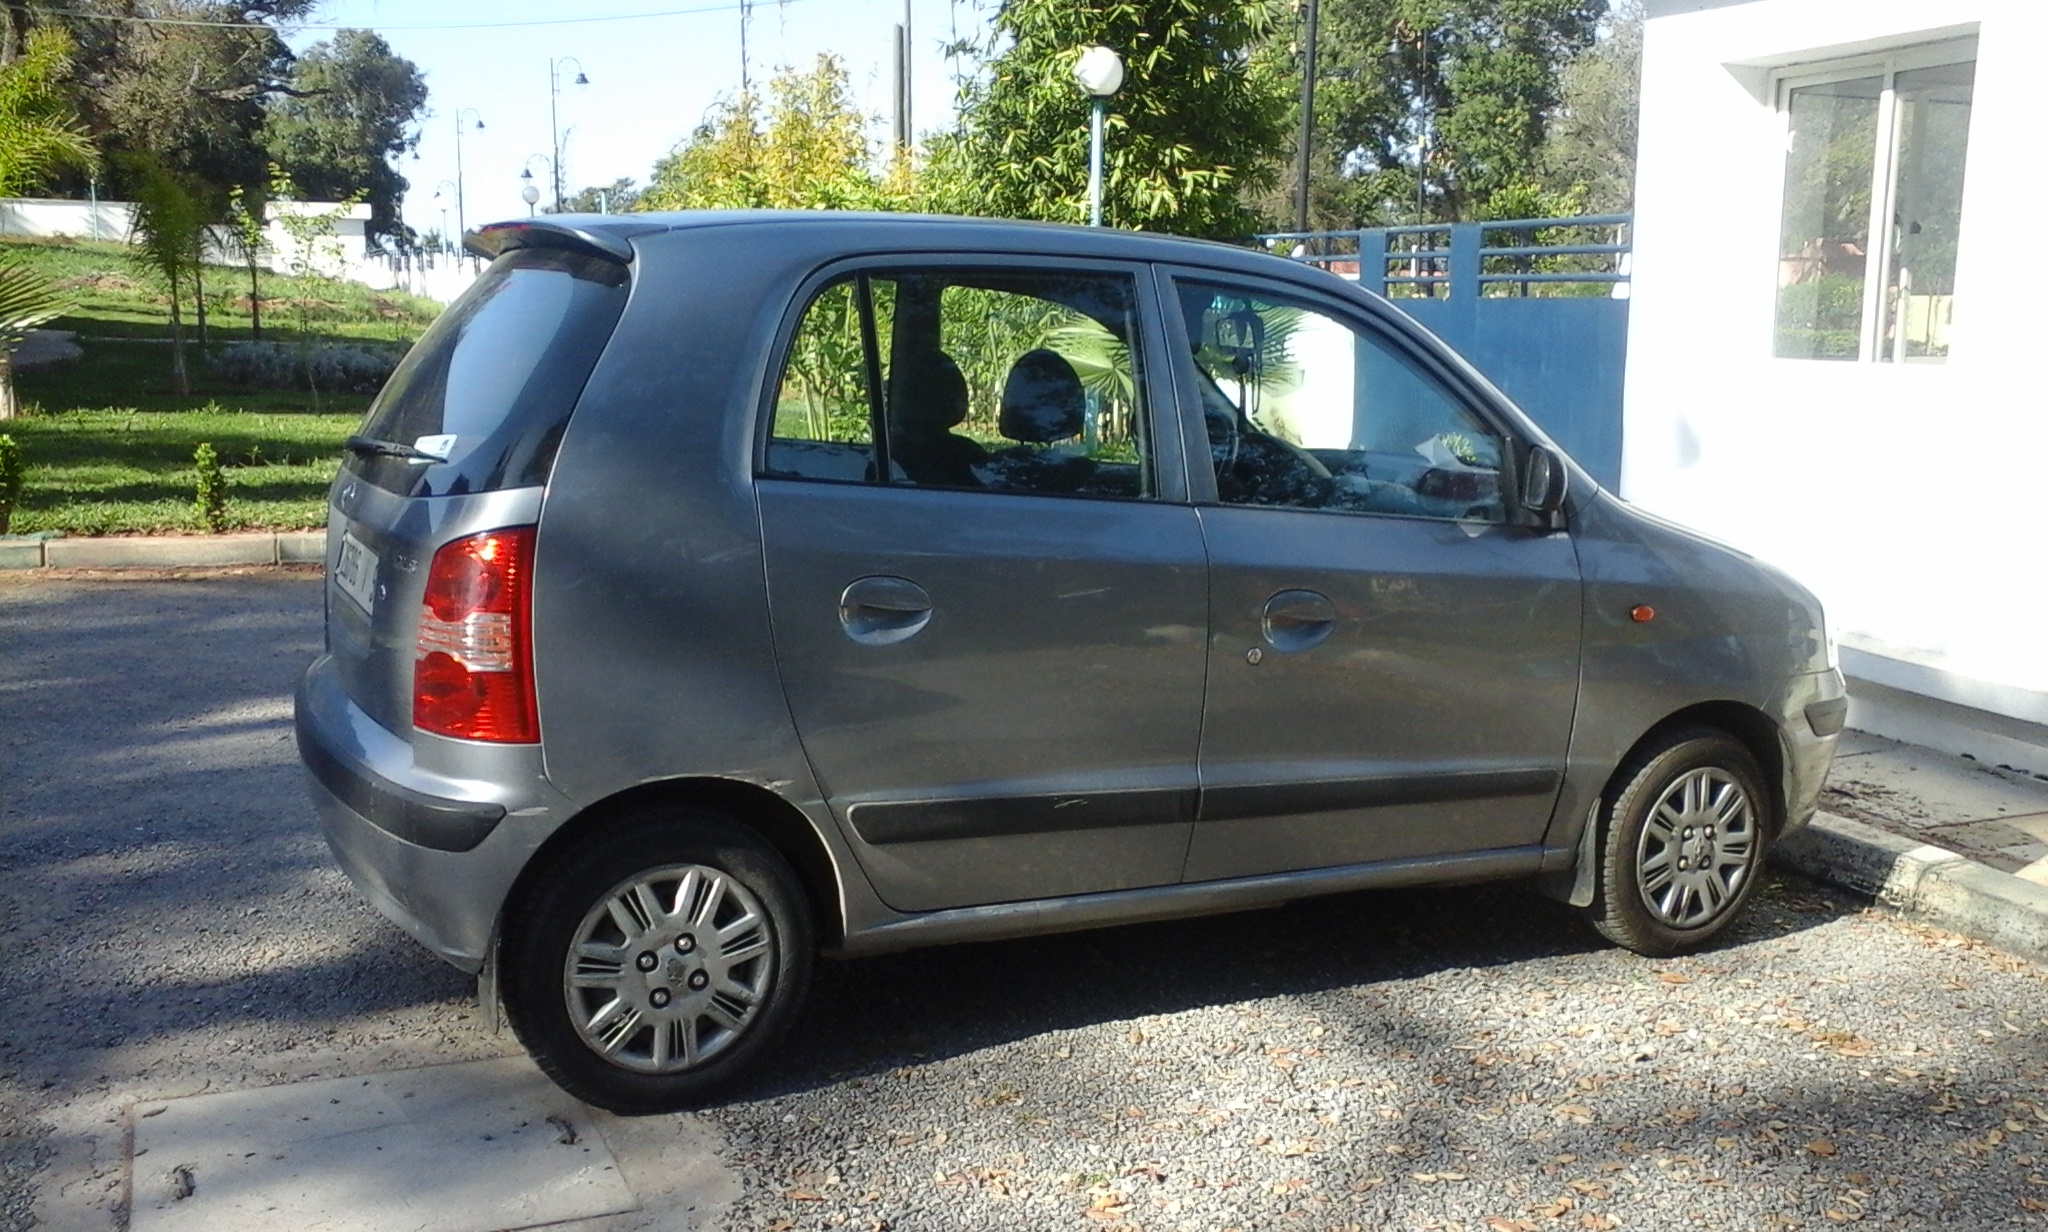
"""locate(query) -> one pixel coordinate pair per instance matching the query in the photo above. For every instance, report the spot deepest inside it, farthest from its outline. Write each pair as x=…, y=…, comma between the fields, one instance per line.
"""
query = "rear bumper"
x=435, y=852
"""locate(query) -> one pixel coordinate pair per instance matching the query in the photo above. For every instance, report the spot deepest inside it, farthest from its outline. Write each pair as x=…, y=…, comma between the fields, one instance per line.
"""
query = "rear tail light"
x=473, y=673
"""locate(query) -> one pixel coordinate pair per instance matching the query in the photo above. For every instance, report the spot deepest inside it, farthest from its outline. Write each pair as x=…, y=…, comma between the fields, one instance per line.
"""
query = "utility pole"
x=1308, y=119
x=901, y=70
x=555, y=129
x=746, y=15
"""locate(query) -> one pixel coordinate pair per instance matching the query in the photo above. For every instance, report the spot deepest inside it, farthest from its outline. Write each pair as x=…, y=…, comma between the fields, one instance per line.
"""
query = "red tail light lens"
x=473, y=675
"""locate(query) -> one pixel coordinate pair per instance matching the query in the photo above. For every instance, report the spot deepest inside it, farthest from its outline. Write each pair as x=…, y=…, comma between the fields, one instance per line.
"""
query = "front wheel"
x=1682, y=843
x=652, y=966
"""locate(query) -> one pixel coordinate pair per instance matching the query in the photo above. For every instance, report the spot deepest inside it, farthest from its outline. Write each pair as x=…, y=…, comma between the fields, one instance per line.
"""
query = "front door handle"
x=883, y=610
x=1297, y=620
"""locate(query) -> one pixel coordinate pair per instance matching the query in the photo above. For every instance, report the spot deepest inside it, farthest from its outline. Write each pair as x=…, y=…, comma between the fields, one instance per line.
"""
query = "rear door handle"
x=884, y=610
x=1297, y=620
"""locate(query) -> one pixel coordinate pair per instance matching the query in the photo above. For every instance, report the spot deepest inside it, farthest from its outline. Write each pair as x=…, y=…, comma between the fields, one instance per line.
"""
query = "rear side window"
x=499, y=372
x=988, y=379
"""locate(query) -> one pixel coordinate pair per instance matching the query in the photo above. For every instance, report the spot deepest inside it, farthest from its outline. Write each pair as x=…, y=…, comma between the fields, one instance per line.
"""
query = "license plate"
x=355, y=571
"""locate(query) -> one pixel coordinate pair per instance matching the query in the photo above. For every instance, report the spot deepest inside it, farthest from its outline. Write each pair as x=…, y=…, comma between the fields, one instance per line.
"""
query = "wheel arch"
x=1750, y=727
x=774, y=818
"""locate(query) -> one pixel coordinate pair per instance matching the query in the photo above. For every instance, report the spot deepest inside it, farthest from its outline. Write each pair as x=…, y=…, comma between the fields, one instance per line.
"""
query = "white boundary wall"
x=345, y=255
x=1909, y=496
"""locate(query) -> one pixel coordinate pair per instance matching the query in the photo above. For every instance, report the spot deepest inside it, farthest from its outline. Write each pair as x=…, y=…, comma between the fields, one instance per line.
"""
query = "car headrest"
x=1042, y=400
x=930, y=394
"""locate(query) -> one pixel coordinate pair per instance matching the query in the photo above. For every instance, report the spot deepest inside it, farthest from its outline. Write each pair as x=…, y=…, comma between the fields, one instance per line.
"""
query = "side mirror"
x=1544, y=480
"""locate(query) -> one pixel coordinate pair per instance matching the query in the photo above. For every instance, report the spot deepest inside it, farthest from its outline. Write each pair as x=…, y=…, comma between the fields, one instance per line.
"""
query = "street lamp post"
x=554, y=128
x=461, y=218
x=442, y=197
x=1098, y=71
x=529, y=192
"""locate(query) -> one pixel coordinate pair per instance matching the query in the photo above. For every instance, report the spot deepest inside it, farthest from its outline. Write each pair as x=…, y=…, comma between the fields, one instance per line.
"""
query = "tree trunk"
x=8, y=408
x=179, y=381
x=255, y=302
x=199, y=300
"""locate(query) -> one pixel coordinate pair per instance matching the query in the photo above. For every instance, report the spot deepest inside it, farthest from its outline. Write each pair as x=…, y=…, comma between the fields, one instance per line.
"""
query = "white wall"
x=1912, y=497
x=344, y=254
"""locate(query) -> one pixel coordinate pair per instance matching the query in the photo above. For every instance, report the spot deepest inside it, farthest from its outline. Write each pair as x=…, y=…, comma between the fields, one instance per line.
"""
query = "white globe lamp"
x=1099, y=72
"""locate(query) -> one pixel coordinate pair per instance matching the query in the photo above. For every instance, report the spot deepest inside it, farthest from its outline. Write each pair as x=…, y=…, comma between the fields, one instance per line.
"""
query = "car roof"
x=614, y=233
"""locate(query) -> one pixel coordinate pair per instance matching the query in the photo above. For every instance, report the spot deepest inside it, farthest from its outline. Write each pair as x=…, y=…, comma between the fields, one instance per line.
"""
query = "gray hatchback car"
x=710, y=590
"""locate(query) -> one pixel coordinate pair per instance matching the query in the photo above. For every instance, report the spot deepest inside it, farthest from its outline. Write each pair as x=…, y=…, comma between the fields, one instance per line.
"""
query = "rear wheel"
x=652, y=966
x=1682, y=843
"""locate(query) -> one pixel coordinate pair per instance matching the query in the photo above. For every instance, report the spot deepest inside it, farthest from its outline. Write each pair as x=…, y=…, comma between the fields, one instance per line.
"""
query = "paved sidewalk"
x=1996, y=818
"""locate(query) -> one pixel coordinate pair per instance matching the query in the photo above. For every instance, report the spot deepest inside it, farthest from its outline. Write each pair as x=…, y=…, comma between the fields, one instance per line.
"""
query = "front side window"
x=1872, y=211
x=1304, y=410
x=978, y=379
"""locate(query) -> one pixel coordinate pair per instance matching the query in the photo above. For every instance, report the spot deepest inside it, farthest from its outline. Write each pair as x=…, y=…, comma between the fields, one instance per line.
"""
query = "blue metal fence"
x=1538, y=304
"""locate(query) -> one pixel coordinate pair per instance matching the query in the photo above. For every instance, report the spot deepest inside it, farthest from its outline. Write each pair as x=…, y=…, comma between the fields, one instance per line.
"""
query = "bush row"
x=327, y=368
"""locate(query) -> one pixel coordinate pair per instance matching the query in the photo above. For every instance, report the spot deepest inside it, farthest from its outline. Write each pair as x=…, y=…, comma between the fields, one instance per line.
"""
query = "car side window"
x=1305, y=411
x=997, y=380
x=824, y=420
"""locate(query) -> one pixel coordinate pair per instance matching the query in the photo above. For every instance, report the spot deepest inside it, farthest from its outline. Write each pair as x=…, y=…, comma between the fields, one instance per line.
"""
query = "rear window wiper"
x=391, y=449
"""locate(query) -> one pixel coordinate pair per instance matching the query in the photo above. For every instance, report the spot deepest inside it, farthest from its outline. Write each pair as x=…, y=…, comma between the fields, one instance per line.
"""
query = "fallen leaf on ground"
x=1821, y=1146
x=1554, y=1209
x=1598, y=1223
x=803, y=1195
x=1501, y=1223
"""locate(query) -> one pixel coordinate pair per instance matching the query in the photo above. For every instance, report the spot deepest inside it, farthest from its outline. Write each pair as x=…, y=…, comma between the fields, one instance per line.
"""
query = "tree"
x=618, y=197
x=1471, y=82
x=191, y=96
x=1591, y=142
x=811, y=152
x=245, y=237
x=27, y=299
x=40, y=132
x=350, y=109
x=168, y=226
x=1192, y=135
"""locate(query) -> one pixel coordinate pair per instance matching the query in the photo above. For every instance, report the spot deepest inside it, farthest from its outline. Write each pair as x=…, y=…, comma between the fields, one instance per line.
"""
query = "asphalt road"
x=1462, y=1059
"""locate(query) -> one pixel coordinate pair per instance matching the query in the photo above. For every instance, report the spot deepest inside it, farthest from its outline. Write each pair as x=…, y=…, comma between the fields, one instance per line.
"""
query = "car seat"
x=928, y=399
x=1043, y=405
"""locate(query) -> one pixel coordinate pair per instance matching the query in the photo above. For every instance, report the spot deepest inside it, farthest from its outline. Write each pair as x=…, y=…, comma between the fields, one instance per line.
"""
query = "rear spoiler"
x=489, y=242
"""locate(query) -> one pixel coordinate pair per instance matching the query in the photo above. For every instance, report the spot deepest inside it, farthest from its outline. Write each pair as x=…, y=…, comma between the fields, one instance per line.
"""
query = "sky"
x=652, y=79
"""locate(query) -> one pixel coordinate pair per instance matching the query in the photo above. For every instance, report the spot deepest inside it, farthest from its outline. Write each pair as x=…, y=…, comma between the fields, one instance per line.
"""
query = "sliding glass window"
x=1872, y=207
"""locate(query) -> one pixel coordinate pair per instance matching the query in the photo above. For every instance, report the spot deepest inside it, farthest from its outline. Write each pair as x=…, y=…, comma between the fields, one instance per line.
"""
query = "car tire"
x=1682, y=842
x=650, y=965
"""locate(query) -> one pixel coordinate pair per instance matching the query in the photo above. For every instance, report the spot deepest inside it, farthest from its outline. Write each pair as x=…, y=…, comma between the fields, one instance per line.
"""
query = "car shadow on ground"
x=872, y=1015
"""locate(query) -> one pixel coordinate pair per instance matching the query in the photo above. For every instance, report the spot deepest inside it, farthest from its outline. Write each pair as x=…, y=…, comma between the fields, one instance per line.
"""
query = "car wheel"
x=651, y=966
x=1682, y=844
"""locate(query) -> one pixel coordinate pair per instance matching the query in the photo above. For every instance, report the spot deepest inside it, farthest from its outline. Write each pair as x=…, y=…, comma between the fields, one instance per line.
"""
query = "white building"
x=1839, y=322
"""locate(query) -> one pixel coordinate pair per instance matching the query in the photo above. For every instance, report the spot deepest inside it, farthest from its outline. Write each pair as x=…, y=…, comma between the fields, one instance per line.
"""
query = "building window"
x=1873, y=203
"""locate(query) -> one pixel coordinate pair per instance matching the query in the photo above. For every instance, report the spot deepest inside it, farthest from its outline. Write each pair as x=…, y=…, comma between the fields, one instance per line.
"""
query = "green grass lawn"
x=116, y=297
x=130, y=472
x=107, y=441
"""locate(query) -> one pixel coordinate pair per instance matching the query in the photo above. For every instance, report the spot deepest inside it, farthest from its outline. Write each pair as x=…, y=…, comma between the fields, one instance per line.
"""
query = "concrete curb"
x=1929, y=883
x=165, y=551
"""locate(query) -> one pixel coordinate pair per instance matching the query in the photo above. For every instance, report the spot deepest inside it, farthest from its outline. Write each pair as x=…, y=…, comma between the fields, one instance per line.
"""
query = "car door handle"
x=883, y=610
x=1296, y=620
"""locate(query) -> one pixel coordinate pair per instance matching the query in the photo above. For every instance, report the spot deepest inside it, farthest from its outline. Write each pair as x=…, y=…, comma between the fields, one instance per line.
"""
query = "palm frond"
x=27, y=299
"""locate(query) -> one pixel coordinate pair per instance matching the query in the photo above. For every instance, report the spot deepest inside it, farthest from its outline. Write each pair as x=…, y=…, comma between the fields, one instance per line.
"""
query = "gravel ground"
x=1460, y=1059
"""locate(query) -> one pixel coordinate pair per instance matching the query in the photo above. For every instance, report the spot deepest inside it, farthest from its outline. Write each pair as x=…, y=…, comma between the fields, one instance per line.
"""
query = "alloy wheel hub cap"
x=669, y=969
x=1697, y=848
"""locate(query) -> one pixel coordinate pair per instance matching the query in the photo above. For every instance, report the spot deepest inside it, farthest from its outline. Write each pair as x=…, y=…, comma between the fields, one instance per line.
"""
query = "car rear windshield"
x=499, y=372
